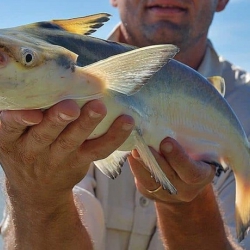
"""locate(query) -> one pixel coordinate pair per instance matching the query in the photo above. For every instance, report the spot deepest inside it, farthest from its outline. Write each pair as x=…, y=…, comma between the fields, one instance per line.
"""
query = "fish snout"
x=3, y=59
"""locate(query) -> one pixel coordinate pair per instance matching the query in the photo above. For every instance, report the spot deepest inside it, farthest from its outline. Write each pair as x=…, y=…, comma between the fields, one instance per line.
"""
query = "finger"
x=54, y=121
x=144, y=183
x=142, y=172
x=14, y=123
x=78, y=131
x=103, y=146
x=189, y=170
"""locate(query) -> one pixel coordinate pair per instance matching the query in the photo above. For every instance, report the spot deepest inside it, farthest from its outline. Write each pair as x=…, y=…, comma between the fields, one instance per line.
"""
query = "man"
x=50, y=150
x=130, y=217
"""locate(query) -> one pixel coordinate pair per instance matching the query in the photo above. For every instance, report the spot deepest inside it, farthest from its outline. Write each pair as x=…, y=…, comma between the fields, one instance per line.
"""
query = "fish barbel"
x=46, y=62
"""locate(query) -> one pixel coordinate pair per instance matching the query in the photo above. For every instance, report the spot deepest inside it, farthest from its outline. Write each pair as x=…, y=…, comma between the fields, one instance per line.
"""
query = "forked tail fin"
x=242, y=203
x=242, y=209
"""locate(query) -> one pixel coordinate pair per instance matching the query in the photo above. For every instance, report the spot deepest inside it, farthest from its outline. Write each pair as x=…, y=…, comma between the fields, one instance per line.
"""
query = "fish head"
x=32, y=70
x=30, y=52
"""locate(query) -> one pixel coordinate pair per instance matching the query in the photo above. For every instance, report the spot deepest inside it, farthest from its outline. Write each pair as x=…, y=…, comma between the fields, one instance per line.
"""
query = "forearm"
x=52, y=227
x=194, y=225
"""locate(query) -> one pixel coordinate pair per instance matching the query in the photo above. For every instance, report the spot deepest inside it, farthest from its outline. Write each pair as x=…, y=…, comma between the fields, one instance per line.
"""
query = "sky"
x=230, y=31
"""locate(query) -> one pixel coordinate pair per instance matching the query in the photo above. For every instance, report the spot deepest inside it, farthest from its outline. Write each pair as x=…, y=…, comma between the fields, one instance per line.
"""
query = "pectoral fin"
x=111, y=166
x=152, y=164
x=219, y=83
x=128, y=72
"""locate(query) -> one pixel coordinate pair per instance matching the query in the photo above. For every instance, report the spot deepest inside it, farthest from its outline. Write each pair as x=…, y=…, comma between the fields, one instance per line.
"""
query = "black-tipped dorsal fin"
x=219, y=83
x=82, y=25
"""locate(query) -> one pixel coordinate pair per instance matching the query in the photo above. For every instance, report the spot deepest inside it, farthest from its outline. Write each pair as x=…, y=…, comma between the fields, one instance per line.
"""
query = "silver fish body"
x=44, y=63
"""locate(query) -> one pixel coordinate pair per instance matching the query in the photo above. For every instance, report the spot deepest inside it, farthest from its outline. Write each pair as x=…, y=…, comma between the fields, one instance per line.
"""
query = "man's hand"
x=191, y=219
x=187, y=175
x=47, y=153
x=44, y=154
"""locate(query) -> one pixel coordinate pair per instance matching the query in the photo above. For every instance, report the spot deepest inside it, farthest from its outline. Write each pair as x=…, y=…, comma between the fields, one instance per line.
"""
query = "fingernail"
x=93, y=114
x=127, y=126
x=29, y=122
x=167, y=147
x=66, y=117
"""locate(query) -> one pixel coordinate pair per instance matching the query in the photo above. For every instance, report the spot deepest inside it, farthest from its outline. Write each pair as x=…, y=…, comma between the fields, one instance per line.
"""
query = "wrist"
x=56, y=220
x=178, y=205
x=36, y=198
x=182, y=223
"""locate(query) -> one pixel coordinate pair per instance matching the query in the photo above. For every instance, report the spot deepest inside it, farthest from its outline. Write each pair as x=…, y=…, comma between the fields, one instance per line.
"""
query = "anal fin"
x=151, y=163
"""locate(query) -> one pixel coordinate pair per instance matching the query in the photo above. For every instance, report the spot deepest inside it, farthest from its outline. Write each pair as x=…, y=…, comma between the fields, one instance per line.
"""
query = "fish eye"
x=28, y=57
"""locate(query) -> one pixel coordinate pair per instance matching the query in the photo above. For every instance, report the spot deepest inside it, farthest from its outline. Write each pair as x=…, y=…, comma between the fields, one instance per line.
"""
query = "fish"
x=46, y=62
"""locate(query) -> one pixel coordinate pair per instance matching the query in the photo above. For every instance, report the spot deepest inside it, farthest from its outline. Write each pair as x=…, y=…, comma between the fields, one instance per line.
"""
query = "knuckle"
x=182, y=158
x=53, y=166
x=8, y=128
x=54, y=123
x=87, y=126
x=195, y=177
x=67, y=144
x=24, y=156
x=5, y=150
x=27, y=158
x=41, y=138
x=99, y=155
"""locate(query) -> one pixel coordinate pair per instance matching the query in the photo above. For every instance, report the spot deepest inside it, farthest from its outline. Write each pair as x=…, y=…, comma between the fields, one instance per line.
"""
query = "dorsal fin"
x=219, y=83
x=82, y=25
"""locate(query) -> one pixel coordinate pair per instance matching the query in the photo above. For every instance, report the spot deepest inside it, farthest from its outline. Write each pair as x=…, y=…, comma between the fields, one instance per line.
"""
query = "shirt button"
x=144, y=202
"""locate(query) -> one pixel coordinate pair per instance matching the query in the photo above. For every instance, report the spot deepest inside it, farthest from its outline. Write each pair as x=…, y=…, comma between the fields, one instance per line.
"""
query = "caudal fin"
x=242, y=208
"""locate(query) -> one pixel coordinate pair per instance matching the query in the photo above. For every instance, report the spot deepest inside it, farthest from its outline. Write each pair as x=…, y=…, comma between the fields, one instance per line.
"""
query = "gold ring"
x=155, y=190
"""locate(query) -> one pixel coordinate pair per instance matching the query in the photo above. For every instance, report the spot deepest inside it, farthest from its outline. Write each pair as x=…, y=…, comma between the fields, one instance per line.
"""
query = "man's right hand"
x=44, y=155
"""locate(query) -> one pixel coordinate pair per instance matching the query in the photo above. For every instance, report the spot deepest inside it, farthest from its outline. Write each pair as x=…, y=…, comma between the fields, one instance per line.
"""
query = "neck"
x=191, y=56
x=194, y=54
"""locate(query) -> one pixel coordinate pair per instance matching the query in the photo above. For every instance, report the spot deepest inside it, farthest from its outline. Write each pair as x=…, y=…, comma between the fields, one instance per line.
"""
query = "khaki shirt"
x=123, y=219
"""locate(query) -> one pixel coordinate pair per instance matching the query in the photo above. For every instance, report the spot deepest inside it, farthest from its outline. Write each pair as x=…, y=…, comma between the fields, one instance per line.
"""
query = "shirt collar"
x=115, y=33
x=210, y=65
